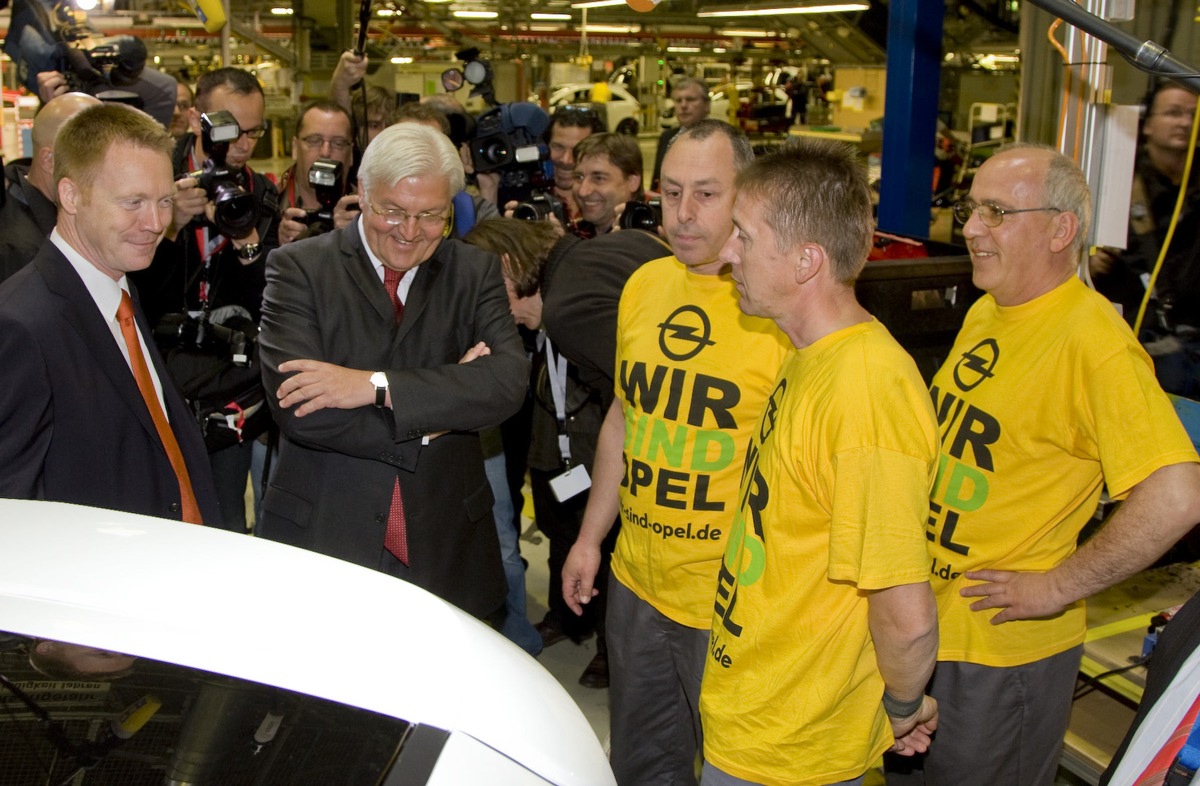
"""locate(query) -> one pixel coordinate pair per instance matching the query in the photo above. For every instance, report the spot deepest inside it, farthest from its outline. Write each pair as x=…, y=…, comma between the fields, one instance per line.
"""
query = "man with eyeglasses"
x=1045, y=397
x=198, y=271
x=386, y=347
x=322, y=134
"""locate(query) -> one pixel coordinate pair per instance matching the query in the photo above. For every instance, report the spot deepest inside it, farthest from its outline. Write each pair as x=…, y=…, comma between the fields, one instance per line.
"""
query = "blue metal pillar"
x=914, y=62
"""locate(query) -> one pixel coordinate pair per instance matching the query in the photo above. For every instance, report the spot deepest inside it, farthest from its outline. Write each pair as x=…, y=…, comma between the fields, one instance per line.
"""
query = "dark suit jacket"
x=333, y=484
x=1175, y=645
x=73, y=426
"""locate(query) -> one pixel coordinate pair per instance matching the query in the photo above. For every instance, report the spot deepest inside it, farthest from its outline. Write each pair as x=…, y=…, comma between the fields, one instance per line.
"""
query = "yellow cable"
x=1162, y=252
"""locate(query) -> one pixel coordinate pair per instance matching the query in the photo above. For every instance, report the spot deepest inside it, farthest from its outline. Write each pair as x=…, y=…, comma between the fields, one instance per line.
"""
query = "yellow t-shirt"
x=832, y=503
x=1037, y=405
x=692, y=374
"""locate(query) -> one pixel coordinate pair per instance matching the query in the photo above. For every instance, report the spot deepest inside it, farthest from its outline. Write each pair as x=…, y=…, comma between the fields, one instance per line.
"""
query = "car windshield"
x=78, y=715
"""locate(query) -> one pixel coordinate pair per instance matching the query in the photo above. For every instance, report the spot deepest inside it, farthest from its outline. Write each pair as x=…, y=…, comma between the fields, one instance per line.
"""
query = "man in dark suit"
x=362, y=333
x=87, y=411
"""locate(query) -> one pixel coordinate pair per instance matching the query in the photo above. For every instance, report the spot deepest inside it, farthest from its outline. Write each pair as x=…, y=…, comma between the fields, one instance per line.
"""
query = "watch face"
x=379, y=379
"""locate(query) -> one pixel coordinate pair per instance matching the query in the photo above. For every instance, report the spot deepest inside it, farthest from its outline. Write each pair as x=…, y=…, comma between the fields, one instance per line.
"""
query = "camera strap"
x=556, y=371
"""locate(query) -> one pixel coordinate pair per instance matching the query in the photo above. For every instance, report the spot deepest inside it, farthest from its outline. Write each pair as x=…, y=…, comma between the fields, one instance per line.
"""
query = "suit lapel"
x=81, y=313
x=362, y=273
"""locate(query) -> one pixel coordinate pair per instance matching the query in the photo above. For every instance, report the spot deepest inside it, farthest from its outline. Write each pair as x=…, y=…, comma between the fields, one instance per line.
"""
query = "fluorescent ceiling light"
x=612, y=28
x=278, y=11
x=402, y=60
x=475, y=14
x=550, y=17
x=89, y=5
x=598, y=3
x=386, y=12
x=683, y=49
x=743, y=33
x=546, y=28
x=829, y=8
x=718, y=50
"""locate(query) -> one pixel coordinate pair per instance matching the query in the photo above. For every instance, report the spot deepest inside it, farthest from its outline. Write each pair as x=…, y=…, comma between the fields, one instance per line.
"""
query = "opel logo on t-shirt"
x=976, y=364
x=684, y=333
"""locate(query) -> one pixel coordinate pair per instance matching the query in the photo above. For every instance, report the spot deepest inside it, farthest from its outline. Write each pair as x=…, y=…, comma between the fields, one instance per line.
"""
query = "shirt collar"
x=104, y=291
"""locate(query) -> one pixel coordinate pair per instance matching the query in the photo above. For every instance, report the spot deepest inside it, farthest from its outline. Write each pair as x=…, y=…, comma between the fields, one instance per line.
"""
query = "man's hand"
x=1102, y=261
x=290, y=226
x=350, y=70
x=913, y=733
x=345, y=211
x=190, y=201
x=50, y=85
x=579, y=573
x=1022, y=596
x=318, y=385
x=489, y=186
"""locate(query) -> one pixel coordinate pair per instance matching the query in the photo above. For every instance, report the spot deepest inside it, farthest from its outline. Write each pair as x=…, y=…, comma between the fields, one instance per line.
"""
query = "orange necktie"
x=1156, y=771
x=395, y=539
x=137, y=361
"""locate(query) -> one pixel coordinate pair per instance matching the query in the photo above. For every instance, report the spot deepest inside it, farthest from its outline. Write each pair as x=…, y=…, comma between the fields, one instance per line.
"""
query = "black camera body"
x=508, y=140
x=539, y=207
x=642, y=215
x=236, y=210
x=233, y=337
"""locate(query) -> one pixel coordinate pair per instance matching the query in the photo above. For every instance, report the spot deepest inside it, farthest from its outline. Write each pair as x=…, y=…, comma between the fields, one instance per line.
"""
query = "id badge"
x=570, y=483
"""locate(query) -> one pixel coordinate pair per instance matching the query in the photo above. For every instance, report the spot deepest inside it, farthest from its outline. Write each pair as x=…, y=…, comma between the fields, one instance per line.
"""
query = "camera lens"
x=494, y=152
x=532, y=211
x=235, y=212
x=639, y=215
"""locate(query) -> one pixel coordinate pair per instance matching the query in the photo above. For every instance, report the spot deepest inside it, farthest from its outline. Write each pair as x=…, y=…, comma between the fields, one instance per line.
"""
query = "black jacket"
x=174, y=279
x=26, y=219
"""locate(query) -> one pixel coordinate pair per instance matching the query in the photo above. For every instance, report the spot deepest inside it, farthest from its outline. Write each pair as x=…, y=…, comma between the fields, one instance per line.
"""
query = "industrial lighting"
x=828, y=8
x=279, y=11
x=402, y=60
x=732, y=33
x=475, y=14
x=550, y=17
x=386, y=12
x=598, y=3
x=683, y=49
x=590, y=28
x=718, y=50
x=546, y=28
x=88, y=5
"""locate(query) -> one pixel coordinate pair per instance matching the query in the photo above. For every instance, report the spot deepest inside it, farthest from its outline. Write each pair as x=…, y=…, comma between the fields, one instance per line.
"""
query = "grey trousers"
x=655, y=666
x=996, y=726
x=711, y=776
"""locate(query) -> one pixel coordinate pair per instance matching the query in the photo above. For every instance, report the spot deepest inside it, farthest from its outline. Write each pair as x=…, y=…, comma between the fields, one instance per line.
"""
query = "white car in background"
x=201, y=656
x=622, y=112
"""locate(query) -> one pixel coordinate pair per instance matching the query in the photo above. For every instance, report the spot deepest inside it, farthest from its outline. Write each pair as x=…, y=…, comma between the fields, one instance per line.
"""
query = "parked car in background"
x=622, y=112
x=141, y=651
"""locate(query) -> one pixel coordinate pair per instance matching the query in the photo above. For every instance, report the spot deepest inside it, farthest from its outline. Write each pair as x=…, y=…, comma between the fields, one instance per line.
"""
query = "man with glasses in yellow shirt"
x=362, y=336
x=1045, y=397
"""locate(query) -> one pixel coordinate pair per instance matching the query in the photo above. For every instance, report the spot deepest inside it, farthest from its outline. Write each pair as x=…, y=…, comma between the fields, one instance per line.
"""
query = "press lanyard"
x=556, y=370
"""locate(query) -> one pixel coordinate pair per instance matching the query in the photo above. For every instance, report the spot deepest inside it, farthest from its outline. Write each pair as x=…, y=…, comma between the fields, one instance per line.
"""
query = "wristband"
x=901, y=709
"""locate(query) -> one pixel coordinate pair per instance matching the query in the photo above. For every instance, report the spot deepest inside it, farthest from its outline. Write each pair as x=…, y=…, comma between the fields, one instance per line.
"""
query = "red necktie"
x=141, y=373
x=1156, y=771
x=396, y=538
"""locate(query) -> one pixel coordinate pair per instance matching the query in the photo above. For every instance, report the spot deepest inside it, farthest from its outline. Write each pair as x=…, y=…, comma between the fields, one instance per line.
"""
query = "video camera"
x=508, y=140
x=55, y=36
x=327, y=179
x=236, y=209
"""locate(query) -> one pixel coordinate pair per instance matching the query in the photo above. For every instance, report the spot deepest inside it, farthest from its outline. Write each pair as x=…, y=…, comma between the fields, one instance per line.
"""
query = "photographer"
x=569, y=126
x=580, y=282
x=310, y=204
x=201, y=267
x=608, y=173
